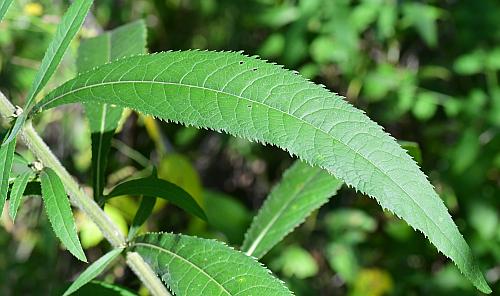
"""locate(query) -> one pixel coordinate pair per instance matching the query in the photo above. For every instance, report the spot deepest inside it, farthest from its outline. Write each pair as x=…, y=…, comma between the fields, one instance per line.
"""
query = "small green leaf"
x=6, y=160
x=59, y=212
x=93, y=271
x=4, y=6
x=302, y=190
x=98, y=288
x=143, y=213
x=151, y=186
x=66, y=30
x=17, y=192
x=103, y=119
x=194, y=266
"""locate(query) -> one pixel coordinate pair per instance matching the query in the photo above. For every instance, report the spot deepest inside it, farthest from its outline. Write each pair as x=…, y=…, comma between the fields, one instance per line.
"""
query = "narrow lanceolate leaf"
x=302, y=190
x=59, y=212
x=143, y=213
x=4, y=6
x=150, y=187
x=250, y=98
x=104, y=118
x=17, y=192
x=66, y=30
x=194, y=266
x=6, y=160
x=93, y=270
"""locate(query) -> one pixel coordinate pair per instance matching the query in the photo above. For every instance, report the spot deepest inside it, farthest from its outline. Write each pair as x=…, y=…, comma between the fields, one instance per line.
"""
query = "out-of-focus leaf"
x=93, y=271
x=273, y=46
x=103, y=119
x=380, y=82
x=466, y=151
x=59, y=212
x=425, y=106
x=302, y=190
x=145, y=209
x=471, y=63
x=233, y=222
x=279, y=16
x=424, y=18
x=6, y=160
x=17, y=192
x=67, y=29
x=177, y=169
x=151, y=187
x=387, y=19
x=343, y=260
x=341, y=220
x=493, y=59
x=484, y=218
x=295, y=261
x=91, y=235
x=195, y=266
x=372, y=282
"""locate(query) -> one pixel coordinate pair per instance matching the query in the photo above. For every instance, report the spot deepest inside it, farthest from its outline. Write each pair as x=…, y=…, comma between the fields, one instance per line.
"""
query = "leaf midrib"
x=266, y=229
x=148, y=245
x=274, y=108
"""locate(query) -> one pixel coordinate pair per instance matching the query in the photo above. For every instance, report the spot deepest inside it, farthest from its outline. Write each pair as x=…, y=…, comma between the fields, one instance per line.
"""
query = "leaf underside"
x=59, y=212
x=252, y=99
x=103, y=119
x=194, y=266
x=302, y=190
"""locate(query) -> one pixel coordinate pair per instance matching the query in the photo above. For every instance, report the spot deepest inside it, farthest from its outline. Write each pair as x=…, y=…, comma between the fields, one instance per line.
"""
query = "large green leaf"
x=59, y=212
x=151, y=186
x=17, y=192
x=103, y=119
x=194, y=266
x=259, y=101
x=4, y=6
x=66, y=30
x=93, y=270
x=302, y=190
x=6, y=160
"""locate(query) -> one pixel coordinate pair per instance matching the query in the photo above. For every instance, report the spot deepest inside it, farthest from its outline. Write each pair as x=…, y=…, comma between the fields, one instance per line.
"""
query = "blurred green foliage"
x=426, y=70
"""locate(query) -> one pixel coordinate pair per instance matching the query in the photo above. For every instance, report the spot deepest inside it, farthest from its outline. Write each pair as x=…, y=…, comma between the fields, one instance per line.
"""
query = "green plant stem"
x=146, y=274
x=78, y=198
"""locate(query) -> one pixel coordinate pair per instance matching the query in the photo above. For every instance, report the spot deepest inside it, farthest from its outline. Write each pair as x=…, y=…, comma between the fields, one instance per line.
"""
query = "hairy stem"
x=78, y=198
x=146, y=274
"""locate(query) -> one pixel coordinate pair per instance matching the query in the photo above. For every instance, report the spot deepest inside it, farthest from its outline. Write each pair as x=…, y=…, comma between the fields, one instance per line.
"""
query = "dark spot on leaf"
x=254, y=69
x=241, y=62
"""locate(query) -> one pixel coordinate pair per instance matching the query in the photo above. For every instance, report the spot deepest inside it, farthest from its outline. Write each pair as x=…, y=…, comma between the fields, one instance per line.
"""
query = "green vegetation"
x=187, y=127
